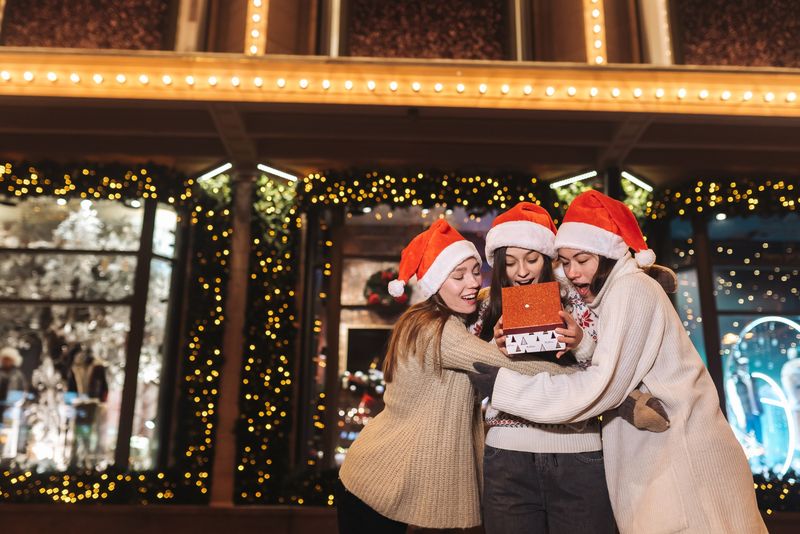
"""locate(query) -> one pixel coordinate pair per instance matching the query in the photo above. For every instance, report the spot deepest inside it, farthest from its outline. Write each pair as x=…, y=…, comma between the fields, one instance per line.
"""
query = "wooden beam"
x=383, y=82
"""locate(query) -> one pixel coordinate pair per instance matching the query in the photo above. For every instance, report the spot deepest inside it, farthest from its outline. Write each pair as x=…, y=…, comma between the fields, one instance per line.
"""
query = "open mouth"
x=524, y=282
x=470, y=298
x=583, y=290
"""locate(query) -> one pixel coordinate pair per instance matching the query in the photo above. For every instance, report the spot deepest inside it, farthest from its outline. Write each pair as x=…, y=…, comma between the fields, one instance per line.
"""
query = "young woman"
x=417, y=462
x=538, y=478
x=693, y=478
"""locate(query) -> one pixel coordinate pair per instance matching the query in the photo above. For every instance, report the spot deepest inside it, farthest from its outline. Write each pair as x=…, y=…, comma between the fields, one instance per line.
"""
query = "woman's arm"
x=630, y=329
x=460, y=350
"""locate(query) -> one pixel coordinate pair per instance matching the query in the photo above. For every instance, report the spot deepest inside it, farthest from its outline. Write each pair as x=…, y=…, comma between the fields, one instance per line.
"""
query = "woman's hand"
x=571, y=335
x=499, y=336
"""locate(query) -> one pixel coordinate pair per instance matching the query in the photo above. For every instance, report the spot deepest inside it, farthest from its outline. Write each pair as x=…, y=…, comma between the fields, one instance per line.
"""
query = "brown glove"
x=664, y=276
x=644, y=411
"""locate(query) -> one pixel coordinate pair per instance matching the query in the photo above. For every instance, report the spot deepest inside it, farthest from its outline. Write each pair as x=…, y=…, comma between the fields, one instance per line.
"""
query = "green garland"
x=734, y=197
x=187, y=481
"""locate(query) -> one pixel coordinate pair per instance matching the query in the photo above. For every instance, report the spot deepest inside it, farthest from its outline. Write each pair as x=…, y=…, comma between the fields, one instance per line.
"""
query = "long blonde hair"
x=406, y=342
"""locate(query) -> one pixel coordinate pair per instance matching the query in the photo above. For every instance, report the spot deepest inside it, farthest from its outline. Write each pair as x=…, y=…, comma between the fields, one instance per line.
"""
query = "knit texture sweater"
x=418, y=460
x=514, y=433
x=692, y=478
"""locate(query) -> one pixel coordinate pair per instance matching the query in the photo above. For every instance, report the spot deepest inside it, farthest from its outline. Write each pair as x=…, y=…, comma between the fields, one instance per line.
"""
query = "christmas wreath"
x=377, y=293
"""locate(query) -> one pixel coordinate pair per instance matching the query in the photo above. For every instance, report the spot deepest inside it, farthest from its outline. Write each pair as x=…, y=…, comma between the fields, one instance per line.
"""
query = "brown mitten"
x=644, y=411
x=664, y=276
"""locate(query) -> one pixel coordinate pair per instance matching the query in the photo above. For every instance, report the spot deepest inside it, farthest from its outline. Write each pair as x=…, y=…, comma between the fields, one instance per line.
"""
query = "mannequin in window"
x=88, y=380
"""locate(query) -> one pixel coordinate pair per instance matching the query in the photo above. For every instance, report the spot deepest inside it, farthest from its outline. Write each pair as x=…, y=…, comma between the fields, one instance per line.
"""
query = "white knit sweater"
x=692, y=478
x=516, y=434
x=418, y=461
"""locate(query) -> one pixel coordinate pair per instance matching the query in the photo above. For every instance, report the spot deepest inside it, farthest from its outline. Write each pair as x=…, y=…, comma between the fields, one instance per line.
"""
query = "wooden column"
x=133, y=345
x=708, y=305
x=225, y=452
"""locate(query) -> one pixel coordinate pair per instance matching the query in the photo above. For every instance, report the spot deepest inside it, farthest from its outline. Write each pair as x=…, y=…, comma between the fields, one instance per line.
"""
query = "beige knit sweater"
x=692, y=478
x=418, y=461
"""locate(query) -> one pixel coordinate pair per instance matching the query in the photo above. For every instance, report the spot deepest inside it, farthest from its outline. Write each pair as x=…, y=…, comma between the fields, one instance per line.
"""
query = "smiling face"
x=580, y=267
x=460, y=290
x=523, y=266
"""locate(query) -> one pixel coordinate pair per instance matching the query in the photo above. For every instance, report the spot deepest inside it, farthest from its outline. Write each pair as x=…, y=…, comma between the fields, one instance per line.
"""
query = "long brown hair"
x=604, y=267
x=406, y=341
x=499, y=281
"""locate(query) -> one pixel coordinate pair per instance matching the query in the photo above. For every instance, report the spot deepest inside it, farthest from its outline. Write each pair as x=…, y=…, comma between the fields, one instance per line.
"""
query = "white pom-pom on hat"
x=645, y=258
x=397, y=288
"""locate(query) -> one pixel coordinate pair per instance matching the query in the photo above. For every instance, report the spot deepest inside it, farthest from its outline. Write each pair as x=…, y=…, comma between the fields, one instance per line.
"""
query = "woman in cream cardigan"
x=692, y=478
x=418, y=461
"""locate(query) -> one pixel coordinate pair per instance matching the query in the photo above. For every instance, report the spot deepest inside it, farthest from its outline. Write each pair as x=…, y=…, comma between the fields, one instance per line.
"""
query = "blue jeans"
x=528, y=493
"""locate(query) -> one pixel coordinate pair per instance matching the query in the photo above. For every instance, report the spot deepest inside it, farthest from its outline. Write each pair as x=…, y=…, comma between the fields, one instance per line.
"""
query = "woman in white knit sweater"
x=692, y=478
x=538, y=478
x=418, y=461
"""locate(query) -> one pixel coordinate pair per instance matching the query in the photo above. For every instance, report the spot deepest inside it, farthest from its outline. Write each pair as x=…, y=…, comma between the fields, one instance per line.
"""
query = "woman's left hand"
x=571, y=336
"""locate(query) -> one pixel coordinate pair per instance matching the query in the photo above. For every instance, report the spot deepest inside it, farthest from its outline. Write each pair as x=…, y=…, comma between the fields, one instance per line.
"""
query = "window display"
x=66, y=312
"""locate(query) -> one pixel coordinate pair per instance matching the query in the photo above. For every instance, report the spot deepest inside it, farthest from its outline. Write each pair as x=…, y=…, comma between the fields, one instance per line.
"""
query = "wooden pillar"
x=612, y=184
x=708, y=305
x=133, y=345
x=225, y=452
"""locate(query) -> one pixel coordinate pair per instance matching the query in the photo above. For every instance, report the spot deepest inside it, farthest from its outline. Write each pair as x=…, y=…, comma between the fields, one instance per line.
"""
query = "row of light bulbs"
x=255, y=40
x=595, y=31
x=483, y=88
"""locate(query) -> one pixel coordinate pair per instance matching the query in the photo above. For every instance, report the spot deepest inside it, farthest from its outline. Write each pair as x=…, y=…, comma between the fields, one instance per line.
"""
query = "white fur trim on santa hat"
x=522, y=234
x=397, y=288
x=645, y=258
x=590, y=238
x=447, y=260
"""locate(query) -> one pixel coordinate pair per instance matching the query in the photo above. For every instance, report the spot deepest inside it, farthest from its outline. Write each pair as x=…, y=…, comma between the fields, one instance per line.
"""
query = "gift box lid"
x=531, y=308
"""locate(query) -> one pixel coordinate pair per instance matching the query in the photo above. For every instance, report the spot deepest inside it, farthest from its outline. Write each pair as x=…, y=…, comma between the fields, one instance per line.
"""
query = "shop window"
x=70, y=307
x=756, y=273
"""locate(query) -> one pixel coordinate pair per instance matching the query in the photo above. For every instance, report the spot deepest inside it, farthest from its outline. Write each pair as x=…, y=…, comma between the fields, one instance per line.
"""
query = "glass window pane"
x=144, y=442
x=67, y=276
x=47, y=222
x=164, y=233
x=761, y=370
x=688, y=304
x=72, y=362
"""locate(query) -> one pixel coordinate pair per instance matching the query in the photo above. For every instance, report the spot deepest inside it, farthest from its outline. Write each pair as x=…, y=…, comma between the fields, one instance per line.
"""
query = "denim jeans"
x=356, y=517
x=525, y=492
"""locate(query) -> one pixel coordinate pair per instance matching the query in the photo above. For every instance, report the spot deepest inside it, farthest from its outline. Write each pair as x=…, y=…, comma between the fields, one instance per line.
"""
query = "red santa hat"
x=599, y=224
x=431, y=257
x=526, y=225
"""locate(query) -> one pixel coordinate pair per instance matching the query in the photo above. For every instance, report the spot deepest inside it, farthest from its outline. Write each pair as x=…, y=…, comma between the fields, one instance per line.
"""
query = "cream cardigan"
x=692, y=478
x=418, y=461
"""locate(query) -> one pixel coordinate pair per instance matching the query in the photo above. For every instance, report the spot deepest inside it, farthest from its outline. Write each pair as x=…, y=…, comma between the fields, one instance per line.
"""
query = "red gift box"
x=530, y=317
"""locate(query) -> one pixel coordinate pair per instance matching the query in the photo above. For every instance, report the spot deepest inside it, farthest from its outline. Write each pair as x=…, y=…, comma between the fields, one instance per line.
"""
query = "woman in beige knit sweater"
x=418, y=461
x=694, y=477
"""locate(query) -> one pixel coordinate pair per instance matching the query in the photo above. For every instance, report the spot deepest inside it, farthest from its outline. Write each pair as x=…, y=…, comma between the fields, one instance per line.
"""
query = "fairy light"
x=594, y=31
x=482, y=88
x=326, y=84
x=27, y=76
x=52, y=76
x=527, y=90
x=235, y=81
x=550, y=91
x=393, y=86
x=303, y=84
x=144, y=79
